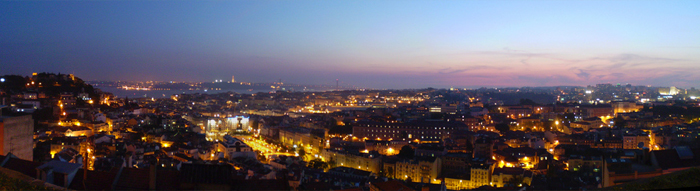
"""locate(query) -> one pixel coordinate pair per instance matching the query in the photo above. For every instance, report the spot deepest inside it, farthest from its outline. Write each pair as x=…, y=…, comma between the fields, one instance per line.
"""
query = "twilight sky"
x=377, y=44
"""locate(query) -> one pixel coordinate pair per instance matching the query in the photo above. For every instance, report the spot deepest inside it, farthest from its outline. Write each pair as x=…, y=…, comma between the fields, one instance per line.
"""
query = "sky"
x=373, y=44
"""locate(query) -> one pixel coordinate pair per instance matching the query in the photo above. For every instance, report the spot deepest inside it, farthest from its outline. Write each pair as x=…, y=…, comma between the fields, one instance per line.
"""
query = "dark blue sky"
x=380, y=44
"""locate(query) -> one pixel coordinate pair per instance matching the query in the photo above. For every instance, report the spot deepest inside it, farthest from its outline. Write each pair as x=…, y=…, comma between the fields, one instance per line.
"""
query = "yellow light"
x=90, y=102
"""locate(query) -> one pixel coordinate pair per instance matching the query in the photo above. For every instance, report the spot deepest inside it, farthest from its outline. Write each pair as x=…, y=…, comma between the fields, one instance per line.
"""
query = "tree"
x=341, y=129
x=407, y=152
x=318, y=164
x=260, y=156
x=619, y=122
x=502, y=127
x=527, y=102
x=332, y=163
x=390, y=172
x=302, y=153
x=515, y=181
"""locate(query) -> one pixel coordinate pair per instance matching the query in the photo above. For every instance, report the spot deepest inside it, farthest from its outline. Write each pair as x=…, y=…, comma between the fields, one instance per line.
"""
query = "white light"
x=2, y=79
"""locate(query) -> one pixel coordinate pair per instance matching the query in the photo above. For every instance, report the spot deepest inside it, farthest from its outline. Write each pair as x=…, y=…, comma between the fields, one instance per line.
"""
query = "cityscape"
x=349, y=95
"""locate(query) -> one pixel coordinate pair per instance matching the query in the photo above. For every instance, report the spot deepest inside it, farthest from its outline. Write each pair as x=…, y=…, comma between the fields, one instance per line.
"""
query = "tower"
x=233, y=80
x=336, y=85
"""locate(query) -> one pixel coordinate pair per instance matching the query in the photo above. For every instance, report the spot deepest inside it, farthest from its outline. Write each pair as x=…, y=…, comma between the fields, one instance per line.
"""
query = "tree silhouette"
x=390, y=172
x=515, y=181
x=318, y=164
x=527, y=102
x=302, y=153
x=502, y=127
x=406, y=152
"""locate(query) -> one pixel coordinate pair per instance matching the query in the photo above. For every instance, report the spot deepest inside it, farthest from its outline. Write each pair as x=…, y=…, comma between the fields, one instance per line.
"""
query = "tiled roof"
x=23, y=166
x=96, y=180
x=511, y=171
x=392, y=185
x=133, y=179
x=61, y=167
x=668, y=159
x=279, y=184
x=206, y=173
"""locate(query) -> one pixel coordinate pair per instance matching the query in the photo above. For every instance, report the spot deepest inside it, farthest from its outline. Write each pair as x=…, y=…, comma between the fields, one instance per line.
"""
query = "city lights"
x=381, y=95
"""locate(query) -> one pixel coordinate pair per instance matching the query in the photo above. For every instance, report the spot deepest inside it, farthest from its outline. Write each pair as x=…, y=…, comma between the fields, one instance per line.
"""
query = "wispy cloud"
x=583, y=74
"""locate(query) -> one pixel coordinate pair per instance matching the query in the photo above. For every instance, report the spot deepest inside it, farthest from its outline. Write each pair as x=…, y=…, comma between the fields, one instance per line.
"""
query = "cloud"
x=617, y=74
x=450, y=71
x=551, y=80
x=640, y=58
x=524, y=61
x=618, y=65
x=583, y=74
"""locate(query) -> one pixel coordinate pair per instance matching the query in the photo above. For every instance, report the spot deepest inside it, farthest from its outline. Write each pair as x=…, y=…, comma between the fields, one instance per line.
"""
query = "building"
x=391, y=185
x=456, y=163
x=483, y=148
x=481, y=172
x=425, y=170
x=602, y=110
x=424, y=130
x=633, y=140
x=301, y=138
x=676, y=159
x=17, y=135
x=387, y=148
x=216, y=128
x=626, y=107
x=363, y=161
x=620, y=171
x=514, y=177
x=523, y=157
x=455, y=181
x=98, y=127
x=430, y=150
x=232, y=147
x=668, y=90
x=576, y=163
x=67, y=100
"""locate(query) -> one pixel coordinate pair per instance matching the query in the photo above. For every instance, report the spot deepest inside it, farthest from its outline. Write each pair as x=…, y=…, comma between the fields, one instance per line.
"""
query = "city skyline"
x=374, y=44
